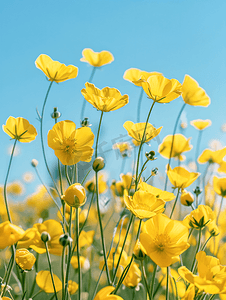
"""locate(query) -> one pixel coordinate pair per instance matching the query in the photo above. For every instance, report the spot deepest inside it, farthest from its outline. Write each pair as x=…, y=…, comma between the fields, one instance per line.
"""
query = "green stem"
x=171, y=149
x=50, y=269
x=63, y=270
x=175, y=202
x=139, y=105
x=139, y=229
x=36, y=294
x=5, y=184
x=142, y=169
x=36, y=271
x=218, y=215
x=167, y=284
x=78, y=256
x=60, y=177
x=10, y=268
x=212, y=297
x=141, y=144
x=84, y=100
x=145, y=279
x=98, y=133
x=153, y=282
x=24, y=283
x=197, y=250
x=67, y=177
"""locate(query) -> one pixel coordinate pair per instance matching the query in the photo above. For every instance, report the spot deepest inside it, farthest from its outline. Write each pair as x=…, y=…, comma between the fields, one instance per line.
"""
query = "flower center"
x=69, y=145
x=161, y=241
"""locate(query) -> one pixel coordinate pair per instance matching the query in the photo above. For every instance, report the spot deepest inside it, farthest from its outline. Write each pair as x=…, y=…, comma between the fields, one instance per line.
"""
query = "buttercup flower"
x=136, y=131
x=107, y=99
x=72, y=287
x=144, y=204
x=105, y=294
x=44, y=281
x=199, y=217
x=180, y=145
x=90, y=185
x=193, y=94
x=97, y=59
x=71, y=145
x=160, y=89
x=201, y=124
x=164, y=239
x=211, y=156
x=133, y=276
x=186, y=198
x=134, y=75
x=124, y=148
x=20, y=129
x=9, y=234
x=219, y=185
x=163, y=195
x=181, y=178
x=75, y=195
x=54, y=70
x=24, y=259
x=211, y=276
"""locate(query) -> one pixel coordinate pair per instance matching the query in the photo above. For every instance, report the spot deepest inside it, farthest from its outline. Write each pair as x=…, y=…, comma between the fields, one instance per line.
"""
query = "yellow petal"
x=44, y=281
x=96, y=59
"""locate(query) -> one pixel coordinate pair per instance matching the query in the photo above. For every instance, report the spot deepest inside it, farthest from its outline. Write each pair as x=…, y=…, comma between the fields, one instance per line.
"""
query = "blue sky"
x=171, y=37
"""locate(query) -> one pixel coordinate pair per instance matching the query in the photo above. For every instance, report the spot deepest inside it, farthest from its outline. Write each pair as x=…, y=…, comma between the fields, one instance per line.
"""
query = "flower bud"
x=24, y=259
x=150, y=155
x=98, y=164
x=56, y=114
x=138, y=251
x=34, y=163
x=186, y=198
x=45, y=237
x=65, y=240
x=85, y=122
x=197, y=191
x=154, y=171
x=75, y=195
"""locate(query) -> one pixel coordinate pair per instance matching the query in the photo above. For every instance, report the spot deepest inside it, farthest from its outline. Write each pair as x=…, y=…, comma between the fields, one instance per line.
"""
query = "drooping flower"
x=164, y=239
x=212, y=156
x=20, y=129
x=71, y=145
x=219, y=185
x=44, y=281
x=75, y=195
x=143, y=204
x=134, y=75
x=106, y=100
x=193, y=94
x=160, y=89
x=97, y=59
x=9, y=234
x=186, y=198
x=136, y=131
x=200, y=217
x=201, y=124
x=180, y=177
x=211, y=276
x=180, y=145
x=105, y=294
x=163, y=195
x=54, y=70
x=24, y=259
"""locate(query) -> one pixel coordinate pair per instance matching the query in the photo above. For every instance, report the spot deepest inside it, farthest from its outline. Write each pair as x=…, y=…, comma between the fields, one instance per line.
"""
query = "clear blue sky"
x=171, y=37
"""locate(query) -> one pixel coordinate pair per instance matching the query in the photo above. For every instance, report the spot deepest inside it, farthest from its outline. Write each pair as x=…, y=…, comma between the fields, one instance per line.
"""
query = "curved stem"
x=50, y=269
x=218, y=215
x=139, y=105
x=197, y=250
x=153, y=282
x=171, y=149
x=98, y=133
x=5, y=184
x=84, y=100
x=175, y=202
x=145, y=279
x=78, y=256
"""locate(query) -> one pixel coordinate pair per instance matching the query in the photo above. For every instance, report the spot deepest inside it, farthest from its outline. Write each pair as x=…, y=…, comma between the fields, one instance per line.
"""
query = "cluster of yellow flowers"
x=145, y=246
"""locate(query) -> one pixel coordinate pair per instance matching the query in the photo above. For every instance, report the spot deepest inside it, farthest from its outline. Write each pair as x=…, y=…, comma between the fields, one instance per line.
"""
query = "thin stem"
x=50, y=269
x=175, y=202
x=167, y=284
x=5, y=184
x=98, y=133
x=36, y=294
x=78, y=256
x=218, y=215
x=139, y=105
x=141, y=144
x=34, y=281
x=142, y=169
x=197, y=149
x=10, y=268
x=24, y=283
x=139, y=229
x=63, y=270
x=145, y=279
x=67, y=177
x=60, y=176
x=171, y=149
x=84, y=100
x=212, y=297
x=197, y=250
x=153, y=281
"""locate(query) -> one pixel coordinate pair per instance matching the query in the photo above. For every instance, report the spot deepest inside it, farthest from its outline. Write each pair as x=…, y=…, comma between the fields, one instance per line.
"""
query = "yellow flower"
x=180, y=145
x=9, y=234
x=24, y=259
x=186, y=198
x=181, y=178
x=32, y=237
x=107, y=99
x=20, y=129
x=143, y=204
x=113, y=259
x=190, y=293
x=44, y=281
x=72, y=287
x=180, y=285
x=212, y=156
x=136, y=131
x=71, y=145
x=15, y=188
x=163, y=195
x=75, y=195
x=201, y=124
x=219, y=185
x=86, y=238
x=193, y=94
x=105, y=294
x=160, y=89
x=211, y=276
x=54, y=70
x=124, y=148
x=97, y=59
x=134, y=75
x=84, y=263
x=199, y=217
x=133, y=277
x=164, y=239
x=90, y=185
